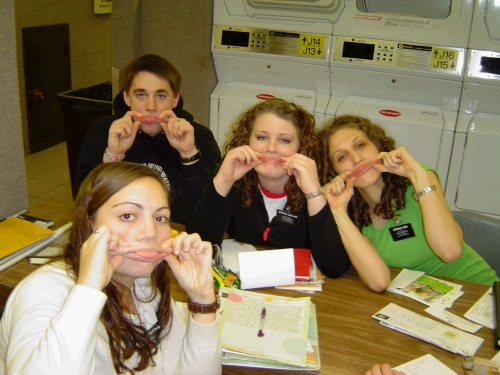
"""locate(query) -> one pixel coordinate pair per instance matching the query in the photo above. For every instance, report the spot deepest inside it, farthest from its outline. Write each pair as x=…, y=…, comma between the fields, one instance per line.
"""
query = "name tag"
x=288, y=218
x=402, y=232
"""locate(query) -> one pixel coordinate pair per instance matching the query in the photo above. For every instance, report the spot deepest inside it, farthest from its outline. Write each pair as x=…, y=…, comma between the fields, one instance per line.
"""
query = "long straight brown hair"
x=125, y=337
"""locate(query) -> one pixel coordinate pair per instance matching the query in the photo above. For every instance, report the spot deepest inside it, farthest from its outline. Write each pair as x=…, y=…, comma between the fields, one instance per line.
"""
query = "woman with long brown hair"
x=106, y=308
x=267, y=190
x=390, y=209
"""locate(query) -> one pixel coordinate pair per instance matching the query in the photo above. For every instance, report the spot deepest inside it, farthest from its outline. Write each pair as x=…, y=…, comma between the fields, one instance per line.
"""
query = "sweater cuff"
x=321, y=216
x=202, y=335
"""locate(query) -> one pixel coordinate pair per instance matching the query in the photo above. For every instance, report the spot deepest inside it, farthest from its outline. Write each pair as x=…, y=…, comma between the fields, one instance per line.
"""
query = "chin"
x=151, y=129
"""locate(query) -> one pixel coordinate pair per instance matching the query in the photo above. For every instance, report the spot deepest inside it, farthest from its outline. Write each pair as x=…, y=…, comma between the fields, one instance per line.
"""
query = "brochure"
x=413, y=324
x=428, y=290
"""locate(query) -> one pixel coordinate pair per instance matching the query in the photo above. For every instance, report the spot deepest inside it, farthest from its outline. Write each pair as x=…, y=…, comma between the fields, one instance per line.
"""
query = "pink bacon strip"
x=270, y=160
x=144, y=254
x=150, y=119
x=363, y=169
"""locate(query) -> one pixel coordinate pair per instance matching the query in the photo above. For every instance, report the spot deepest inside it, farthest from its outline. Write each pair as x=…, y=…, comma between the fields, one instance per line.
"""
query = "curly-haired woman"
x=105, y=308
x=390, y=209
x=267, y=190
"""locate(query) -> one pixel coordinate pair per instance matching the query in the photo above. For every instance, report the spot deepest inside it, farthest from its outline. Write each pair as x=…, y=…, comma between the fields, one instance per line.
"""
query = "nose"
x=151, y=103
x=148, y=230
x=271, y=145
x=356, y=158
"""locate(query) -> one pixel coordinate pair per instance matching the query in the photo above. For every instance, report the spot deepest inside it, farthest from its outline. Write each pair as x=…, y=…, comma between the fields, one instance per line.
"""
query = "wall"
x=13, y=198
x=90, y=42
x=178, y=30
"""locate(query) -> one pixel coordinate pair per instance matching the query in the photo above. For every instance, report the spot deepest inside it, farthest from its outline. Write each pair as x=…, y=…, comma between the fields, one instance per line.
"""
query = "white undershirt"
x=272, y=204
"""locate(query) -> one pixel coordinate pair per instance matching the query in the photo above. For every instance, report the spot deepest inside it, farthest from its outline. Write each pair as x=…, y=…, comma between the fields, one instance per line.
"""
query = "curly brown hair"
x=393, y=192
x=309, y=145
x=125, y=337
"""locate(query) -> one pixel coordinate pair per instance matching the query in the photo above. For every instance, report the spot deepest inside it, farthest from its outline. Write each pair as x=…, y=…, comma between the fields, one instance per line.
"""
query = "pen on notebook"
x=261, y=325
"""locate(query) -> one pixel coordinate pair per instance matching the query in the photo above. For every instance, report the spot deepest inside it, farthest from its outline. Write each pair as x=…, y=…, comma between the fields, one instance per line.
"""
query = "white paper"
x=416, y=325
x=261, y=269
x=230, y=250
x=496, y=357
x=454, y=320
x=405, y=277
x=425, y=365
x=49, y=251
x=482, y=311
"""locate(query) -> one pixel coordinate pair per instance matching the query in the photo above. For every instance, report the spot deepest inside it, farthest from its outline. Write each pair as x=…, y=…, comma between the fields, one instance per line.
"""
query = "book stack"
x=267, y=331
x=22, y=237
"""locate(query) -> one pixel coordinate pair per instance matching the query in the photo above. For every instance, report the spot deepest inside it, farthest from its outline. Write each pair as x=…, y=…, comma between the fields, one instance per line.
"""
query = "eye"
x=341, y=157
x=127, y=217
x=161, y=96
x=163, y=219
x=361, y=145
x=287, y=141
x=260, y=137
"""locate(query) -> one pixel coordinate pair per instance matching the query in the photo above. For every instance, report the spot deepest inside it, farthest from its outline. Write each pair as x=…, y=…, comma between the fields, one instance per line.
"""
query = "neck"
x=371, y=194
x=272, y=185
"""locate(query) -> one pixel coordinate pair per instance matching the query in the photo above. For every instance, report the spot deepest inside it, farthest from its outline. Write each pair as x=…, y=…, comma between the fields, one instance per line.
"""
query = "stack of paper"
x=267, y=331
x=21, y=238
x=428, y=290
x=413, y=324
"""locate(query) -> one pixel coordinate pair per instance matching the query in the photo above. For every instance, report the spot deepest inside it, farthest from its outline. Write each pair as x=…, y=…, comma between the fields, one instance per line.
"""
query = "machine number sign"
x=444, y=58
x=312, y=45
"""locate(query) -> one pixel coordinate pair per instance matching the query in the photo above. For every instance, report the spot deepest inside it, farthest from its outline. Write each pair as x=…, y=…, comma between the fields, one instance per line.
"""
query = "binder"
x=496, y=312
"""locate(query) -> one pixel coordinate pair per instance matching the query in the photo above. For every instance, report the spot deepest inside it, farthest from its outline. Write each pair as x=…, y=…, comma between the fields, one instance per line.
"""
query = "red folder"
x=303, y=263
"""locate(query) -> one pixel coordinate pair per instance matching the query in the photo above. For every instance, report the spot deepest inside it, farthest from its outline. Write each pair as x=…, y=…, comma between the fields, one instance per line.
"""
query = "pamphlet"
x=428, y=290
x=413, y=324
x=268, y=331
x=482, y=311
x=261, y=269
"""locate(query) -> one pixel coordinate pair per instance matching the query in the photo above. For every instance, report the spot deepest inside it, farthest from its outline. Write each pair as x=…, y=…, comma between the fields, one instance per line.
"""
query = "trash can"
x=81, y=108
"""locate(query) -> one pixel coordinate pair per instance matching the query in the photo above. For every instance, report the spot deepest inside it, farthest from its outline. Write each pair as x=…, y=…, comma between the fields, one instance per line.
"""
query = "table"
x=350, y=340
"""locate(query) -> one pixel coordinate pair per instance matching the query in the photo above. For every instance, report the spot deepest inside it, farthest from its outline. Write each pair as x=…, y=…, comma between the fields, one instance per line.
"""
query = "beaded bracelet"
x=112, y=157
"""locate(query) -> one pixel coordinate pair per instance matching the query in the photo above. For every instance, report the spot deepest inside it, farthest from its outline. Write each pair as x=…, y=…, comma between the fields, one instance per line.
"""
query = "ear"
x=126, y=98
x=176, y=100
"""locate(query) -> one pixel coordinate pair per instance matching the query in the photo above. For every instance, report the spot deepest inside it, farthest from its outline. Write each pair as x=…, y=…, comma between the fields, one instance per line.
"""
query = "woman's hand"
x=384, y=369
x=190, y=260
x=97, y=261
x=235, y=165
x=339, y=191
x=399, y=161
x=305, y=171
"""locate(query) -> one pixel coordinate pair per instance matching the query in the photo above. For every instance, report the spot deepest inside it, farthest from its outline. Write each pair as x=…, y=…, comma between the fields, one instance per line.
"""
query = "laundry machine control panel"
x=393, y=54
x=267, y=41
x=484, y=64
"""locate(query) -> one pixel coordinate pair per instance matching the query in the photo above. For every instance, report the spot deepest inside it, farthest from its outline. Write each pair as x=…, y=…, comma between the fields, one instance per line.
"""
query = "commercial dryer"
x=400, y=63
x=474, y=171
x=270, y=48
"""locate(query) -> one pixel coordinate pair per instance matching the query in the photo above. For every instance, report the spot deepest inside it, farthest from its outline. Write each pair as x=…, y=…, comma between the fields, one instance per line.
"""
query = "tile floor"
x=47, y=175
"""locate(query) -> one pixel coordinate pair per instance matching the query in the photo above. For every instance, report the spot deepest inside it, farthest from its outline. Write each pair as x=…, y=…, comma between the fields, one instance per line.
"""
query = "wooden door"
x=47, y=72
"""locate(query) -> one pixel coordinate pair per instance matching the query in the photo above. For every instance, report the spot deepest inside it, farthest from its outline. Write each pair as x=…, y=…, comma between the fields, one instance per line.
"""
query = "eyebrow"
x=266, y=132
x=140, y=206
x=160, y=91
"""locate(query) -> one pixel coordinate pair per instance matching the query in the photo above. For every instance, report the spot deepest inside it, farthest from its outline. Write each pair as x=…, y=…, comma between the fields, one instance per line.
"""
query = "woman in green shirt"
x=390, y=209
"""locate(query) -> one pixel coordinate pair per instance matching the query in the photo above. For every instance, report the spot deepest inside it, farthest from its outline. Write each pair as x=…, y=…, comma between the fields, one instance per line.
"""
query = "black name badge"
x=287, y=218
x=402, y=232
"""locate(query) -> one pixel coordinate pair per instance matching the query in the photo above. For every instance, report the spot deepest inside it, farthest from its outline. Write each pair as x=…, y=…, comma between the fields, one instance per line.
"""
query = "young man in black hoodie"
x=151, y=128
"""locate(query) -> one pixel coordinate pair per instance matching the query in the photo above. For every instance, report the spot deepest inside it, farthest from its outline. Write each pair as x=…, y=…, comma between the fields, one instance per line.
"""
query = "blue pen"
x=262, y=319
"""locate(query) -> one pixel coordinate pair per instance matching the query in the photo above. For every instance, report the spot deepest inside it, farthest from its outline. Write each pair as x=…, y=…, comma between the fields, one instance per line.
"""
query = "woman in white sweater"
x=106, y=307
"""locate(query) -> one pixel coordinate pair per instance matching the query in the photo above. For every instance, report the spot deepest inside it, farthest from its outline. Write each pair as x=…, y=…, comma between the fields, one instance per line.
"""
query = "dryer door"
x=416, y=127
x=480, y=174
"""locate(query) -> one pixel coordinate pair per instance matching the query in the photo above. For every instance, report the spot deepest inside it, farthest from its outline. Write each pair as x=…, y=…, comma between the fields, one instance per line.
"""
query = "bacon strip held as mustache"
x=363, y=169
x=150, y=119
x=270, y=160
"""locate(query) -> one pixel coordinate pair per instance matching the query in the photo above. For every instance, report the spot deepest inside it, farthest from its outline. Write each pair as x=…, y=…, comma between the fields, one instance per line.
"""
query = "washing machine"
x=400, y=63
x=474, y=171
x=270, y=48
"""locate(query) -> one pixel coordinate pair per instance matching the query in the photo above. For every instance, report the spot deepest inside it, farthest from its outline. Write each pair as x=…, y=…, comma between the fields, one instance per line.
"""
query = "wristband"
x=112, y=157
x=314, y=194
x=195, y=157
x=426, y=190
x=198, y=308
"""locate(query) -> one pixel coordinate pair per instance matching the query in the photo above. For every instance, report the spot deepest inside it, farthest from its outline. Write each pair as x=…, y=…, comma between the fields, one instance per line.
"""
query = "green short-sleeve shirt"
x=415, y=253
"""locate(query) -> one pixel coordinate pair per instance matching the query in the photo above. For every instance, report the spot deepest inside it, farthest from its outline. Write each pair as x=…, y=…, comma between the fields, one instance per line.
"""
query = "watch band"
x=315, y=194
x=198, y=308
x=195, y=157
x=426, y=190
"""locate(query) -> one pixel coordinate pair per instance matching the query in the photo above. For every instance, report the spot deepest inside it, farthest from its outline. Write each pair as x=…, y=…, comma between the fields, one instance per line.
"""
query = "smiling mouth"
x=363, y=169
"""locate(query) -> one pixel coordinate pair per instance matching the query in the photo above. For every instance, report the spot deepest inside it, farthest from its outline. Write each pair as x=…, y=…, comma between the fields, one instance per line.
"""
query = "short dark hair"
x=154, y=64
